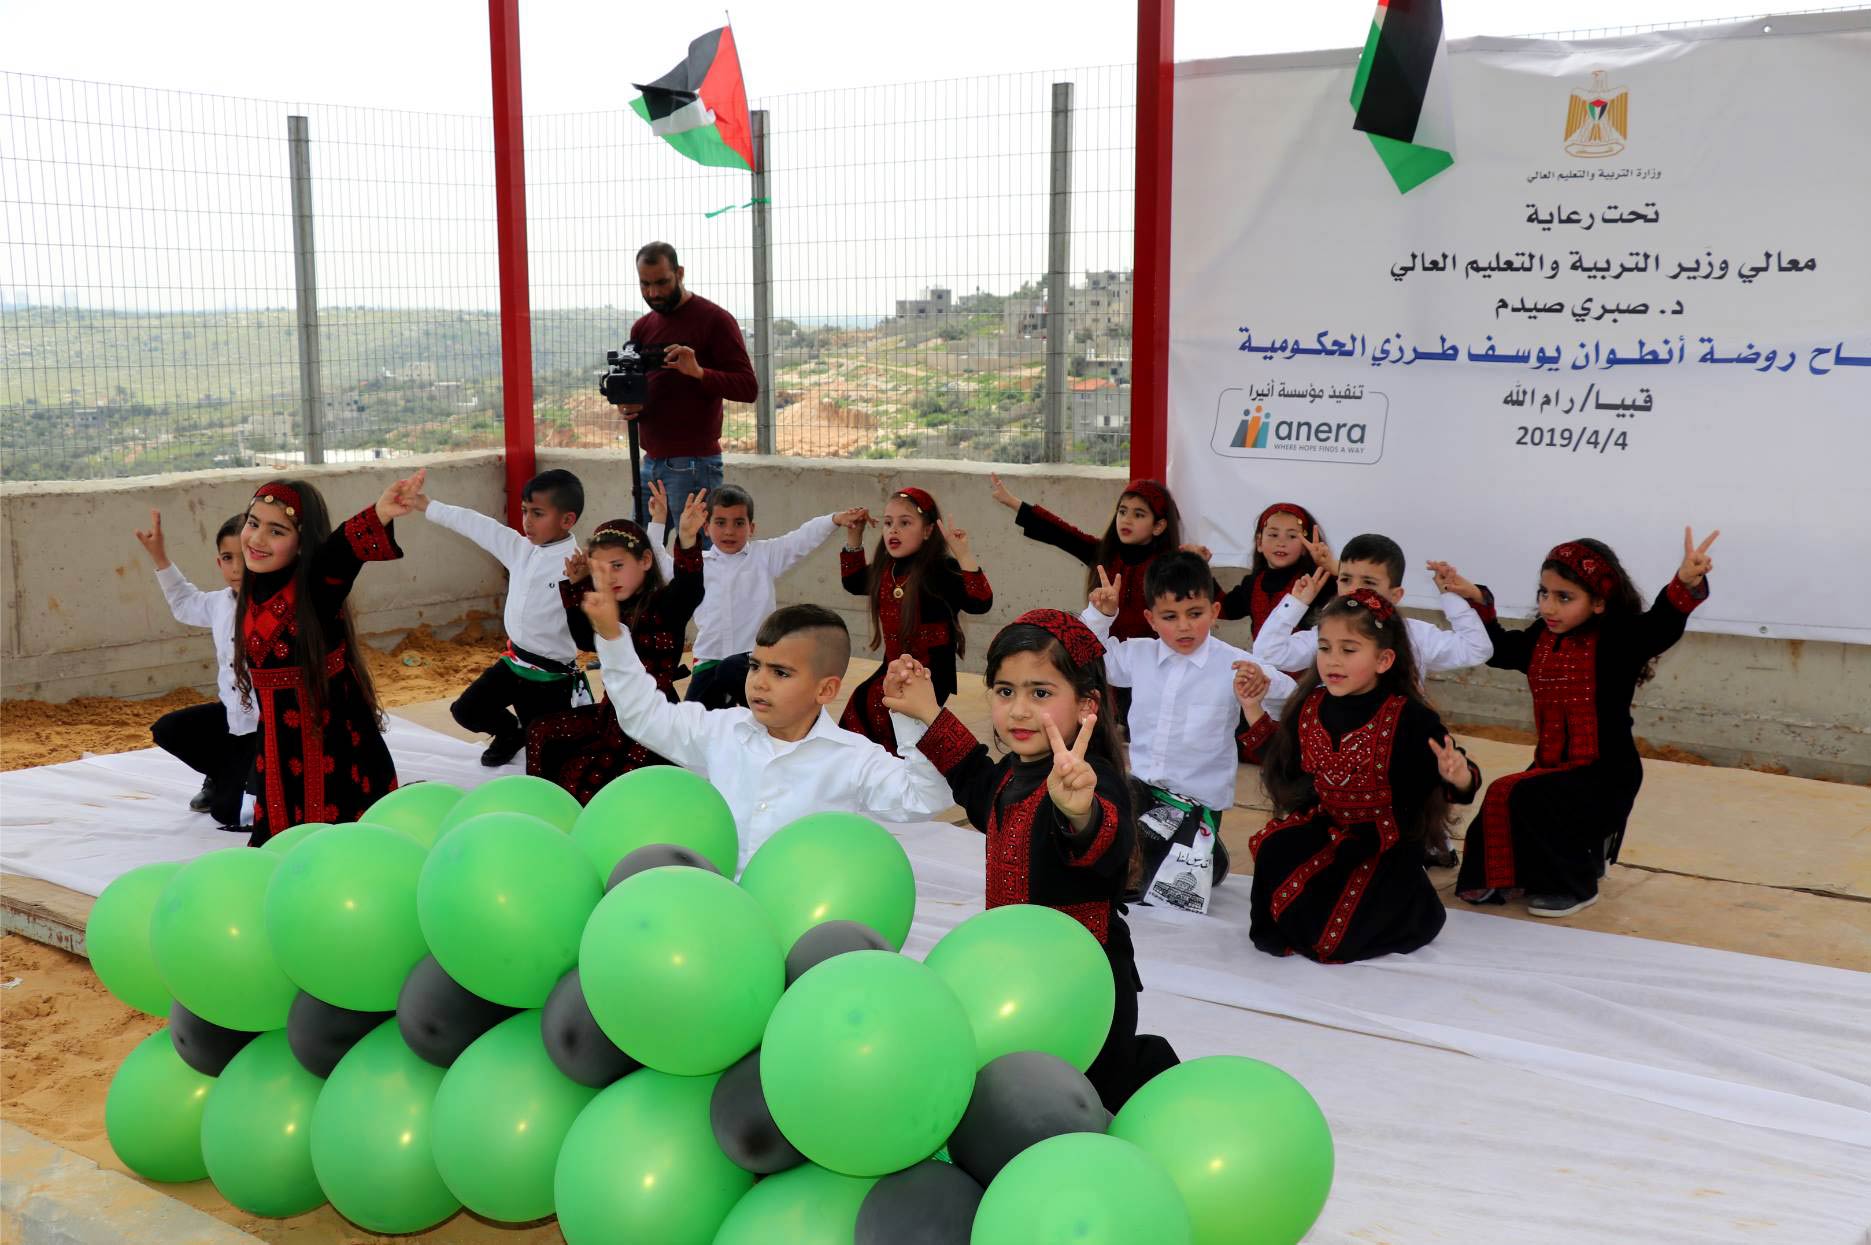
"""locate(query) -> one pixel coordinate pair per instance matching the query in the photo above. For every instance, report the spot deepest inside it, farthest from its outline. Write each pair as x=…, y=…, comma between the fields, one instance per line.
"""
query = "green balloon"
x=514, y=793
x=116, y=937
x=373, y=1137
x=288, y=839
x=1083, y=1189
x=867, y=1063
x=256, y=1134
x=804, y=1206
x=834, y=867
x=503, y=900
x=341, y=914
x=1244, y=1141
x=417, y=810
x=152, y=1113
x=681, y=969
x=500, y=1117
x=658, y=804
x=641, y=1165
x=209, y=935
x=1030, y=978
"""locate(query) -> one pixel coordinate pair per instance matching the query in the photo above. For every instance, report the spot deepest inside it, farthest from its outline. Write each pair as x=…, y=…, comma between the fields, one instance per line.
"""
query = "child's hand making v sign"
x=958, y=547
x=601, y=608
x=909, y=690
x=1696, y=561
x=1106, y=596
x=659, y=503
x=694, y=514
x=1073, y=783
x=1452, y=764
x=152, y=542
x=1306, y=588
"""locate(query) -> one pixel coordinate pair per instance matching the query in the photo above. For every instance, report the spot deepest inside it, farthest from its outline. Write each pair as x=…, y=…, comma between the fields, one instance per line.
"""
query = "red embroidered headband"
x=917, y=498
x=1154, y=495
x=1285, y=507
x=281, y=494
x=1381, y=608
x=1077, y=639
x=1587, y=566
x=623, y=532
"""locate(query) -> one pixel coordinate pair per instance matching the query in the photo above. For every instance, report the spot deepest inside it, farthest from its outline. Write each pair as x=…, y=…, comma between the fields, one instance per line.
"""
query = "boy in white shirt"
x=1375, y=562
x=1183, y=716
x=536, y=674
x=782, y=756
x=738, y=576
x=216, y=740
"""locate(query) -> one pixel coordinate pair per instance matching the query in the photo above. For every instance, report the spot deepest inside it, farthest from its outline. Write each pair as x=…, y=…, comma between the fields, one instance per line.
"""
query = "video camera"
x=627, y=383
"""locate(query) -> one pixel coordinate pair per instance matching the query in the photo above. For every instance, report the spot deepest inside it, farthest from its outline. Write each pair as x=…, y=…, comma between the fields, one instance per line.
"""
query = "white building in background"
x=932, y=303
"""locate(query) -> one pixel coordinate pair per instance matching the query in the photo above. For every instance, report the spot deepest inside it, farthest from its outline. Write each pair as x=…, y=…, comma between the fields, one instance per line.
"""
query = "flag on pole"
x=700, y=106
x=1401, y=92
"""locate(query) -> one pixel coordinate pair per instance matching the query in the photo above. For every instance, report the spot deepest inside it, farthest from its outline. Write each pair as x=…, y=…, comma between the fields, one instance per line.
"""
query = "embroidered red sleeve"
x=1250, y=741
x=975, y=587
x=947, y=742
x=572, y=592
x=1102, y=832
x=851, y=562
x=1486, y=608
x=1685, y=598
x=370, y=540
x=688, y=559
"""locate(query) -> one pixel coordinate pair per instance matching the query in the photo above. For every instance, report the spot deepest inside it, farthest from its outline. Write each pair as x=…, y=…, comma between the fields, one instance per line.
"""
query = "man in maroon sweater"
x=707, y=362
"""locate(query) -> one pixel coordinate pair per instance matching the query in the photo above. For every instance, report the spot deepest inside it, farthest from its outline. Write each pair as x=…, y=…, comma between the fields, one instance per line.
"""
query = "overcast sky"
x=431, y=55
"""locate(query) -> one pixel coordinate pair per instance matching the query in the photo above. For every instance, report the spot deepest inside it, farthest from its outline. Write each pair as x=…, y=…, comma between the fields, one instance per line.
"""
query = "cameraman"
x=707, y=361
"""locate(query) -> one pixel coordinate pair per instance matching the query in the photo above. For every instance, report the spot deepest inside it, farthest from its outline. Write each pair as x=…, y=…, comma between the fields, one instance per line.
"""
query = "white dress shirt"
x=1183, y=711
x=770, y=782
x=215, y=611
x=535, y=616
x=738, y=587
x=1465, y=644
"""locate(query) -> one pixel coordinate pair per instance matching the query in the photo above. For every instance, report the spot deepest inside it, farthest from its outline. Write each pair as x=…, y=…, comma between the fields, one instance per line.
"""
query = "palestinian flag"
x=1401, y=92
x=700, y=106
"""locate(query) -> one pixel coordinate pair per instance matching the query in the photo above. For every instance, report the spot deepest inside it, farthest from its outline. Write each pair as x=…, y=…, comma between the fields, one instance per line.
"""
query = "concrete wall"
x=84, y=616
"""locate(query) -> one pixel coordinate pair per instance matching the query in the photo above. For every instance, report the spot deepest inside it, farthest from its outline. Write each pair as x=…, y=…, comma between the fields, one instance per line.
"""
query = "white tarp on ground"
x=1510, y=1082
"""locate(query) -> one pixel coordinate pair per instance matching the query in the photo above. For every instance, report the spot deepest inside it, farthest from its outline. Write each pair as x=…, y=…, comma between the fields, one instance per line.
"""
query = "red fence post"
x=1149, y=334
x=516, y=321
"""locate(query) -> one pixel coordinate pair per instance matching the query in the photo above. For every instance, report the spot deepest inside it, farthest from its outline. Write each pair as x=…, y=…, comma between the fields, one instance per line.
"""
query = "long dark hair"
x=626, y=535
x=1109, y=544
x=1623, y=601
x=1307, y=524
x=1088, y=681
x=933, y=553
x=1283, y=773
x=314, y=523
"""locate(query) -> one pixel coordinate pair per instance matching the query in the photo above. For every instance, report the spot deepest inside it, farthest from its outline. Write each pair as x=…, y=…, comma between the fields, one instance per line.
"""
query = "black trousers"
x=483, y=708
x=198, y=737
x=721, y=686
x=1129, y=1059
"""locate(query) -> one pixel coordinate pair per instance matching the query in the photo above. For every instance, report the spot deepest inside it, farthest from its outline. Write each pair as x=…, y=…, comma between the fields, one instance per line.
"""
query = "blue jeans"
x=680, y=477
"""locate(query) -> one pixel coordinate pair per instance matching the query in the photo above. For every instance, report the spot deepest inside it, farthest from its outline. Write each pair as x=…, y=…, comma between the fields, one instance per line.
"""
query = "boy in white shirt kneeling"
x=782, y=756
x=1183, y=724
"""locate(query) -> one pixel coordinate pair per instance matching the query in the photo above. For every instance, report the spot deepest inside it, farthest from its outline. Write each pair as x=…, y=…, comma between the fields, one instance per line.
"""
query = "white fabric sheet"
x=1510, y=1082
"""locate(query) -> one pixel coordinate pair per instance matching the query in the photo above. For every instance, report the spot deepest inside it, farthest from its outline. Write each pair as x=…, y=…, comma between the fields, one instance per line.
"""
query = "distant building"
x=1024, y=317
x=1099, y=408
x=423, y=372
x=932, y=304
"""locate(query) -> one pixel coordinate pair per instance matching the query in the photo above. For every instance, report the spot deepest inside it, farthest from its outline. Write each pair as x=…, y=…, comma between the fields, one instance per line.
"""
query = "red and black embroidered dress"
x=1036, y=856
x=1342, y=879
x=947, y=593
x=1550, y=829
x=1132, y=562
x=1255, y=597
x=334, y=769
x=583, y=748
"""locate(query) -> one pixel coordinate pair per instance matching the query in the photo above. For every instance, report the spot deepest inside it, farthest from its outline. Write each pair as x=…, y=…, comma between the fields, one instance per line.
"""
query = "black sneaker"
x=502, y=750
x=202, y=800
x=1443, y=857
x=1558, y=905
x=1221, y=863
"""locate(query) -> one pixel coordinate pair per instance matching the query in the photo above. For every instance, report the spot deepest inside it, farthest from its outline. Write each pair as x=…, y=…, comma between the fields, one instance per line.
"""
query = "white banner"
x=1640, y=299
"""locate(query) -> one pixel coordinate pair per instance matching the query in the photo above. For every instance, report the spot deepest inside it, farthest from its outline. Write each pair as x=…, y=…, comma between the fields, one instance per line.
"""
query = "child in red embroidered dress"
x=581, y=749
x=1056, y=810
x=923, y=578
x=1551, y=829
x=1145, y=525
x=1282, y=553
x=321, y=755
x=1361, y=774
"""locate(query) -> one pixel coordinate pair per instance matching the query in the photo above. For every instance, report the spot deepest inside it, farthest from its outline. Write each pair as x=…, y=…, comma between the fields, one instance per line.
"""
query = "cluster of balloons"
x=505, y=1002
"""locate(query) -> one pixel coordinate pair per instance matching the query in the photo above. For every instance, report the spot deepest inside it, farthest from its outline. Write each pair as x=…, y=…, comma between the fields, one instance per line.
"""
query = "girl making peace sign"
x=1055, y=809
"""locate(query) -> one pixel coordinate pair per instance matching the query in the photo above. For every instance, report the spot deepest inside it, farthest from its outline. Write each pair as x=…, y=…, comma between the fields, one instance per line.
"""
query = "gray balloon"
x=439, y=1017
x=202, y=1044
x=577, y=1046
x=658, y=856
x=932, y=1203
x=744, y=1128
x=1019, y=1100
x=822, y=942
x=320, y=1033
